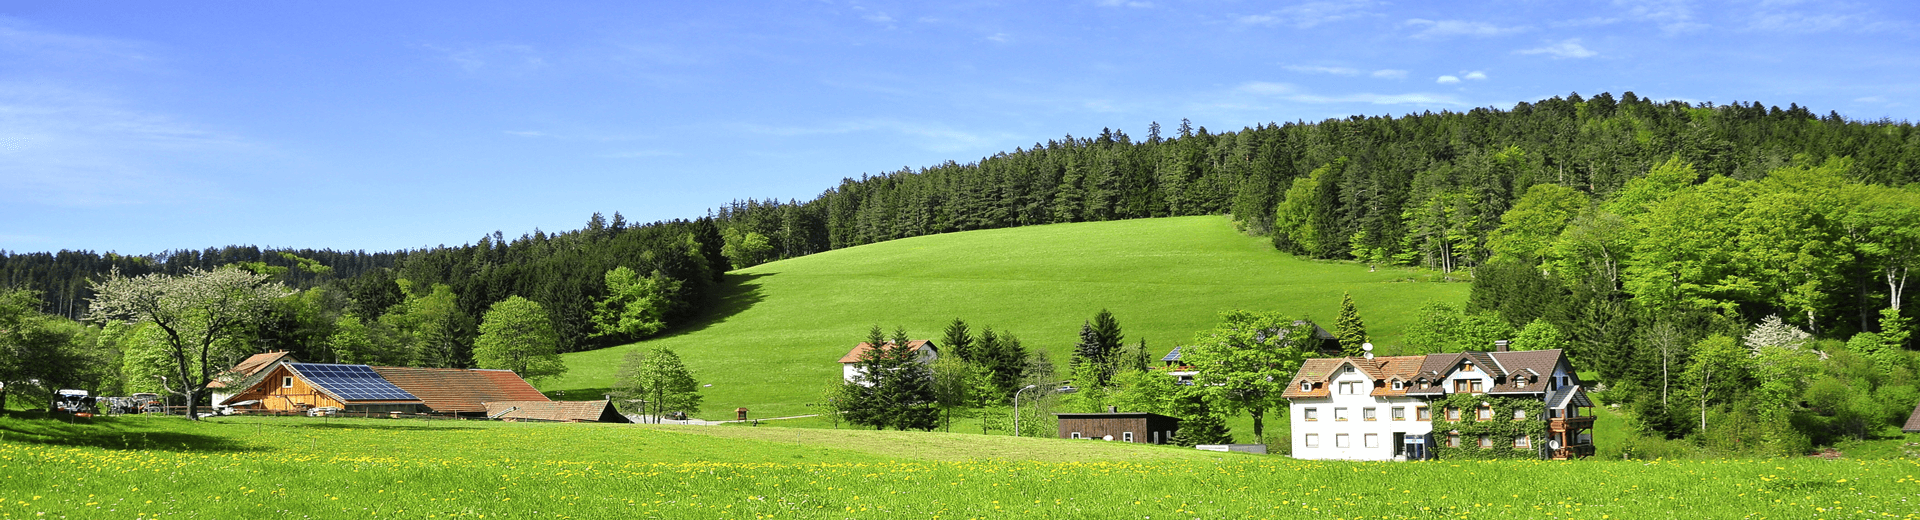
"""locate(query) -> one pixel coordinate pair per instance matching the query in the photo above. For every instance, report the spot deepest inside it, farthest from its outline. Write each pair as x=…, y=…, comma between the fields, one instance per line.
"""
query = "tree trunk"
x=1259, y=425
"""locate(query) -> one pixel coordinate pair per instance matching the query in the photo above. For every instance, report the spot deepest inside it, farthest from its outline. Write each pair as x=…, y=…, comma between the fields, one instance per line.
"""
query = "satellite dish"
x=1366, y=347
x=1553, y=444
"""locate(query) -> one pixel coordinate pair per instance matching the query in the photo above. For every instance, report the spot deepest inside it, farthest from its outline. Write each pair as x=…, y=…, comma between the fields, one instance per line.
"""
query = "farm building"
x=1112, y=425
x=849, y=364
x=460, y=391
x=555, y=411
x=298, y=387
x=249, y=371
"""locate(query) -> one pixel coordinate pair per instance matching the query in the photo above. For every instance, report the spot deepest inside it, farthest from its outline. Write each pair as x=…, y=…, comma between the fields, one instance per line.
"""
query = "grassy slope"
x=311, y=468
x=775, y=337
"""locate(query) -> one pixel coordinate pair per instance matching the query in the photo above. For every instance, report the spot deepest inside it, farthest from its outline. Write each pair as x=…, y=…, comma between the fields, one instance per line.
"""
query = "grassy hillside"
x=298, y=467
x=773, y=342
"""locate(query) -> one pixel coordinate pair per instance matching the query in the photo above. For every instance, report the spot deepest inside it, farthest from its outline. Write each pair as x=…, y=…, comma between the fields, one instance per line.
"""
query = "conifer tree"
x=1351, y=332
x=958, y=341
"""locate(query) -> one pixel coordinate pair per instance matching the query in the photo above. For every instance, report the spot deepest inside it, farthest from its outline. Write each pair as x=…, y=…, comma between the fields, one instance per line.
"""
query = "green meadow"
x=297, y=467
x=774, y=340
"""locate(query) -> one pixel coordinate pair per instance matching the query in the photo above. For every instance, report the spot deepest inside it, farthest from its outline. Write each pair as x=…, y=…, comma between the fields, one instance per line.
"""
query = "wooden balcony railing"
x=1569, y=424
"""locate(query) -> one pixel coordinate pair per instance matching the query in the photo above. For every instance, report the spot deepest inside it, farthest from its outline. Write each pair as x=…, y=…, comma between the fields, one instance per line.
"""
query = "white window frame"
x=1399, y=413
x=1310, y=413
x=1371, y=440
x=286, y=381
x=1522, y=442
x=1126, y=436
x=1340, y=413
x=1341, y=440
x=1399, y=385
x=1369, y=414
x=1519, y=414
x=1076, y=435
x=1313, y=440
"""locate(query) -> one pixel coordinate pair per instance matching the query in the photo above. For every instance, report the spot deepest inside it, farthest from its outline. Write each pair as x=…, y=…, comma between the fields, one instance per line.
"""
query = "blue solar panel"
x=351, y=382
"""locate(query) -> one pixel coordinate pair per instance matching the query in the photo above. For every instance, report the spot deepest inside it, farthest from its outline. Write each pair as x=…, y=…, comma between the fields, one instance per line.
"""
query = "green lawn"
x=298, y=467
x=773, y=342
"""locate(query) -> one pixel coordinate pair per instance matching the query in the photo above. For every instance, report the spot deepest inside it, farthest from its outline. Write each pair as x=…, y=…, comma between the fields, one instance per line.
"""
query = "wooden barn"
x=555, y=411
x=298, y=387
x=458, y=391
x=1138, y=427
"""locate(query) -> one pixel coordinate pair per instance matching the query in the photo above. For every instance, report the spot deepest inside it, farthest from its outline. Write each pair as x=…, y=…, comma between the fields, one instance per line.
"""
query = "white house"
x=1356, y=409
x=924, y=350
x=1546, y=375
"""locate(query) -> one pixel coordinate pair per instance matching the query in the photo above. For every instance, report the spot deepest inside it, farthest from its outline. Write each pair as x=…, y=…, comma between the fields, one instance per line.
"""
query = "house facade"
x=924, y=352
x=1135, y=427
x=1357, y=409
x=1498, y=404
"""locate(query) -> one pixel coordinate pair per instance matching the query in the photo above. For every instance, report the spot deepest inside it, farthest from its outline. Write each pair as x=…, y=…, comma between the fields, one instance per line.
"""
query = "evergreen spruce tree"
x=1205, y=427
x=958, y=341
x=893, y=390
x=1350, y=331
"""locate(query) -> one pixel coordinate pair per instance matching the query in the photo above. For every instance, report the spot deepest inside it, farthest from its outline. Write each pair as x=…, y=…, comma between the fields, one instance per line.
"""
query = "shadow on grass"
x=736, y=294
x=109, y=433
x=579, y=394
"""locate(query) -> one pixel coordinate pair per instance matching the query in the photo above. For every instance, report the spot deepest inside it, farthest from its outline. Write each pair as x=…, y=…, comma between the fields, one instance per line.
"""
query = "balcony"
x=1571, y=452
x=1569, y=424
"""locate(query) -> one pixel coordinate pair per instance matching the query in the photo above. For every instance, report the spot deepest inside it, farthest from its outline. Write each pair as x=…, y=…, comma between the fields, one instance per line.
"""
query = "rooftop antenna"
x=1367, y=350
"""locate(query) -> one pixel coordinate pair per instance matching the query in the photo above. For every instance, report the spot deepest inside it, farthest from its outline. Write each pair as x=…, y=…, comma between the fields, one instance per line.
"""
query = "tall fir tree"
x=1350, y=330
x=958, y=341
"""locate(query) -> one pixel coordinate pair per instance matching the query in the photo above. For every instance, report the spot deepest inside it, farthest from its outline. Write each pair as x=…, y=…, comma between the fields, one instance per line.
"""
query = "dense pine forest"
x=1641, y=233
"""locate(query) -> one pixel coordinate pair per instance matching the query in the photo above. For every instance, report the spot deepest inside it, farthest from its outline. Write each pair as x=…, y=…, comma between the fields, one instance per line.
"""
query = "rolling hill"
x=772, y=343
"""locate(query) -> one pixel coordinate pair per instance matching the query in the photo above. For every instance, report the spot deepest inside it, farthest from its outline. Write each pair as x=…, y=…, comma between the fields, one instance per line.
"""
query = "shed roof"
x=351, y=384
x=558, y=411
x=457, y=390
x=1913, y=422
x=853, y=356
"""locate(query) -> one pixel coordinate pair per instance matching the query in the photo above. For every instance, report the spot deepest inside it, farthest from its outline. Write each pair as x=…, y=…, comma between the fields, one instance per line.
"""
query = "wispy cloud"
x=999, y=38
x=1672, y=16
x=1450, y=28
x=1315, y=69
x=1124, y=3
x=22, y=41
x=1469, y=76
x=636, y=154
x=1288, y=92
x=1569, y=48
x=73, y=148
x=1389, y=74
x=1310, y=14
x=509, y=58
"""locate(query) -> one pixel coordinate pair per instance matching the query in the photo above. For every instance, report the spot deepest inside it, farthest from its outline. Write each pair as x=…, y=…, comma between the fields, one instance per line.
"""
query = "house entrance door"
x=1399, y=443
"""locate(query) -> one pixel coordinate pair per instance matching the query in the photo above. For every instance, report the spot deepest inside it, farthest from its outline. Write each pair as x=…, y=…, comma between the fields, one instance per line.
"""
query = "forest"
x=1647, y=235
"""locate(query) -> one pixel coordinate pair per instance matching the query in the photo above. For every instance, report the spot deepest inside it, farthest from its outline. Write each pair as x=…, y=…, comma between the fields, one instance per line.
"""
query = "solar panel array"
x=352, y=382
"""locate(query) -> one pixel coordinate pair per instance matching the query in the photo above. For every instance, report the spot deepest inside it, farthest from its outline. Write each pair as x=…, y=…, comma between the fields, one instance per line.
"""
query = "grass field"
x=149, y=468
x=774, y=340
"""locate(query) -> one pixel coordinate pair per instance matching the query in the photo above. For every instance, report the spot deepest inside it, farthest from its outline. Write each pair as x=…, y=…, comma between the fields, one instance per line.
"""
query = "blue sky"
x=142, y=127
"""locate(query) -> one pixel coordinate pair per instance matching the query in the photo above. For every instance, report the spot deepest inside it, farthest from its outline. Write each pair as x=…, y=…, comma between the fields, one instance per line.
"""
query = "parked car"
x=73, y=401
x=323, y=411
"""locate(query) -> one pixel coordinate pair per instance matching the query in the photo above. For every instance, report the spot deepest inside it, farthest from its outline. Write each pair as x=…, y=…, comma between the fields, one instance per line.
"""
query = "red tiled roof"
x=853, y=356
x=454, y=390
x=253, y=364
x=561, y=411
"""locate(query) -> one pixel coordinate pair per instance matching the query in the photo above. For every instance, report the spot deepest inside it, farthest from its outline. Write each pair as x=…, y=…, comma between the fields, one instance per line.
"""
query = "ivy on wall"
x=1502, y=428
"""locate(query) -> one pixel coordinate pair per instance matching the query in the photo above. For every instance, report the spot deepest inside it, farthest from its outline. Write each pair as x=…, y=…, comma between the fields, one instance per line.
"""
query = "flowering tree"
x=198, y=312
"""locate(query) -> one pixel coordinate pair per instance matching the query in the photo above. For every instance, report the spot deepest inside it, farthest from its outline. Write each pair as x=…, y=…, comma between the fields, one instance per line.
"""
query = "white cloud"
x=1310, y=14
x=1291, y=93
x=1124, y=3
x=1446, y=28
x=1390, y=74
x=998, y=38
x=1672, y=16
x=1313, y=69
x=1447, y=80
x=1475, y=75
x=1570, y=48
x=878, y=17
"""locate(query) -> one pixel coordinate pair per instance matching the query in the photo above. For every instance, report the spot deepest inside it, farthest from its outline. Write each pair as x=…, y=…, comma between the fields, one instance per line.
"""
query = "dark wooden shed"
x=1140, y=427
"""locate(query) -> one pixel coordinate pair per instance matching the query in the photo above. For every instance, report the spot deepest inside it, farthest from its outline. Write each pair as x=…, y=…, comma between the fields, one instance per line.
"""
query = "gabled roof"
x=1317, y=371
x=1572, y=395
x=1538, y=362
x=253, y=365
x=454, y=390
x=558, y=411
x=351, y=384
x=1403, y=368
x=1913, y=422
x=853, y=356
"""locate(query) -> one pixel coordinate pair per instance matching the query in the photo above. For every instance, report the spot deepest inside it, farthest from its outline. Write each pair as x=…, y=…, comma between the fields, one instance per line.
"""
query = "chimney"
x=1113, y=409
x=1500, y=345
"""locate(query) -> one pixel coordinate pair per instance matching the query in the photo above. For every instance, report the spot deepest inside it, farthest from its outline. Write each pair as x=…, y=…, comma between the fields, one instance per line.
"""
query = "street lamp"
x=1016, y=402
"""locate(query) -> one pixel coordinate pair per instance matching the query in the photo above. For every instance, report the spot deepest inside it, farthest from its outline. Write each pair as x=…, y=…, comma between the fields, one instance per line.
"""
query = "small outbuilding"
x=555, y=411
x=1112, y=425
x=1913, y=422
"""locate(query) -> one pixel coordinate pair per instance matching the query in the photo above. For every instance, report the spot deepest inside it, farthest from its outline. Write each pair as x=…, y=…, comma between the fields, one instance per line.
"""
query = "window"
x=1398, y=385
x=1520, y=442
x=1421, y=413
x=1466, y=367
x=1453, y=439
x=1484, y=413
x=1313, y=440
x=1399, y=413
x=1519, y=414
x=1340, y=440
x=1466, y=386
x=1372, y=440
x=1127, y=436
x=1349, y=388
x=1453, y=414
x=1367, y=414
x=1306, y=386
x=286, y=382
x=1519, y=382
x=1311, y=414
x=1486, y=442
x=1076, y=435
x=1340, y=414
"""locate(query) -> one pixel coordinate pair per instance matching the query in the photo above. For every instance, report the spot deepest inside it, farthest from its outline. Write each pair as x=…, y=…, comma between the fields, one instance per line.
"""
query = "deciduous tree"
x=517, y=335
x=199, y=311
